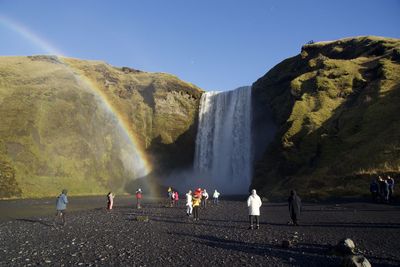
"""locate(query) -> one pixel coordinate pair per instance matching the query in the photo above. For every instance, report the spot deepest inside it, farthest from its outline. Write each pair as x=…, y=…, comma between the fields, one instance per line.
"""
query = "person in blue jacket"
x=61, y=206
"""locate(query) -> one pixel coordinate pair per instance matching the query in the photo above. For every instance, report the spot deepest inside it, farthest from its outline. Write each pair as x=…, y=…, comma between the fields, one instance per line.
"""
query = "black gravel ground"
x=220, y=238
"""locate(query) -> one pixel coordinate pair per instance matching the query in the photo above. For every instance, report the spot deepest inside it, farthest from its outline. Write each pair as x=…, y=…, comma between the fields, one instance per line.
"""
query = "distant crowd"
x=194, y=200
x=382, y=189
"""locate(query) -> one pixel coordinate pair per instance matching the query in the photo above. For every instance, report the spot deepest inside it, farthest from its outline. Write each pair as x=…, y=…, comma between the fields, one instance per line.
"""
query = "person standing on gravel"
x=216, y=196
x=170, y=196
x=110, y=198
x=294, y=202
x=204, y=198
x=189, y=204
x=390, y=182
x=254, y=203
x=139, y=198
x=196, y=204
x=374, y=189
x=61, y=206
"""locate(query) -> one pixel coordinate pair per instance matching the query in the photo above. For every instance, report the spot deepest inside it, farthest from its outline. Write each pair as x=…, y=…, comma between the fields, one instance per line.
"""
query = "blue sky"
x=215, y=44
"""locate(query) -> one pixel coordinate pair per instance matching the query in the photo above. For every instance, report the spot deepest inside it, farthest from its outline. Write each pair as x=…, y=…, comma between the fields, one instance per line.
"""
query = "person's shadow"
x=45, y=223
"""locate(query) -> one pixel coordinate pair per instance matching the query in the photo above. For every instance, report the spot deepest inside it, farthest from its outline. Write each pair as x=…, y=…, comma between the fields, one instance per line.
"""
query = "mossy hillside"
x=335, y=105
x=56, y=132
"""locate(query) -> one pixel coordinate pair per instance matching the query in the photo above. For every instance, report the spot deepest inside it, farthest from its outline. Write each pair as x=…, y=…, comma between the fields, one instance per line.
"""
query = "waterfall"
x=223, y=142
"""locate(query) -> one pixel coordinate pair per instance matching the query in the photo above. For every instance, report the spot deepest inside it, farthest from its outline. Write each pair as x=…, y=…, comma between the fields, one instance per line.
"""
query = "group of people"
x=382, y=189
x=173, y=197
x=197, y=198
x=193, y=202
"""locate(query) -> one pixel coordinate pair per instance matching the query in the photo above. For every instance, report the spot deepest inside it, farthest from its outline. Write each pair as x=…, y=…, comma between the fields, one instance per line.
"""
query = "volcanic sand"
x=220, y=238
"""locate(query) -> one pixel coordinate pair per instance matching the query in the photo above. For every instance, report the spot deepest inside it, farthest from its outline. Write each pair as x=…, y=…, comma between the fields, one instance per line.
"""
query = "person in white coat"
x=189, y=205
x=254, y=203
x=204, y=198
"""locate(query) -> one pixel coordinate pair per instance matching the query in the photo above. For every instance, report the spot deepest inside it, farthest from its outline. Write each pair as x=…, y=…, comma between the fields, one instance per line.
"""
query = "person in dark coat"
x=294, y=202
x=390, y=182
x=374, y=189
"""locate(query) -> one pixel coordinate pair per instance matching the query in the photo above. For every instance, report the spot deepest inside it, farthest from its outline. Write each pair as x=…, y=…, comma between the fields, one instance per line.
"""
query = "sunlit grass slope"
x=337, y=107
x=57, y=132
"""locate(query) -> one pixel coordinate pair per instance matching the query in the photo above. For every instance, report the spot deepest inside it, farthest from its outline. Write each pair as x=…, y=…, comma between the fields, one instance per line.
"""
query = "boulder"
x=355, y=261
x=345, y=246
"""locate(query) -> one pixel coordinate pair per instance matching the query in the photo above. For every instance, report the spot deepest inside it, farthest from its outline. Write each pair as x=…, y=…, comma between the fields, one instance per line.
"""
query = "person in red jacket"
x=139, y=198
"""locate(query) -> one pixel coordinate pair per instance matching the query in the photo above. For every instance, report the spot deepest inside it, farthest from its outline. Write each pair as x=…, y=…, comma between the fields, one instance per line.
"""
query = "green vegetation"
x=56, y=132
x=336, y=106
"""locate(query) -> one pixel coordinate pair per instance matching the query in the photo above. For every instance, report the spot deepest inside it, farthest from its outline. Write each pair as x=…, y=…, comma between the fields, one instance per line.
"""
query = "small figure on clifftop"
x=110, y=200
x=139, y=198
x=294, y=202
x=61, y=206
x=189, y=204
x=216, y=196
x=254, y=203
x=204, y=198
x=196, y=203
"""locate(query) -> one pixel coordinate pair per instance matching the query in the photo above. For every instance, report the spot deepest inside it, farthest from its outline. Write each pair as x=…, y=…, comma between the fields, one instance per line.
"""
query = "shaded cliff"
x=336, y=109
x=70, y=123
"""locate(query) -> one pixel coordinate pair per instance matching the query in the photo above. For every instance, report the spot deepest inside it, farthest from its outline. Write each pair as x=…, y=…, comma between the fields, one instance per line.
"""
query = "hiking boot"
x=251, y=227
x=257, y=227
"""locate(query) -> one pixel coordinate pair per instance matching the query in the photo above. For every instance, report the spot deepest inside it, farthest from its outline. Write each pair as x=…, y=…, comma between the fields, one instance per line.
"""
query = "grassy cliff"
x=336, y=106
x=56, y=131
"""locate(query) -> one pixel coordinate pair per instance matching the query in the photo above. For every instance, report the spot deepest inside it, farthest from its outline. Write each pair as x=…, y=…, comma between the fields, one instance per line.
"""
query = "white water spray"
x=223, y=144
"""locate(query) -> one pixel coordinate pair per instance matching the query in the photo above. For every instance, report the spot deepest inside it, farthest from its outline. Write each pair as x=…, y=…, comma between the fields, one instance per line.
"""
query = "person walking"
x=254, y=203
x=110, y=200
x=204, y=198
x=139, y=197
x=61, y=206
x=196, y=204
x=189, y=204
x=216, y=196
x=294, y=203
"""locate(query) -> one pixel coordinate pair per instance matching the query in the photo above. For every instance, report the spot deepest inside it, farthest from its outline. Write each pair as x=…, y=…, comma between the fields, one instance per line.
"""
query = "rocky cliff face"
x=336, y=109
x=58, y=126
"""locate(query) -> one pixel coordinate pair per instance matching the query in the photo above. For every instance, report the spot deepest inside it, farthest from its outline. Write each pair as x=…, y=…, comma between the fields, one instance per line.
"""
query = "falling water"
x=223, y=143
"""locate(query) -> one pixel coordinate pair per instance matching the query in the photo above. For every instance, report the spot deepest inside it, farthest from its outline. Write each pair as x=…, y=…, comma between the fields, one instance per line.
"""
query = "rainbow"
x=143, y=166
